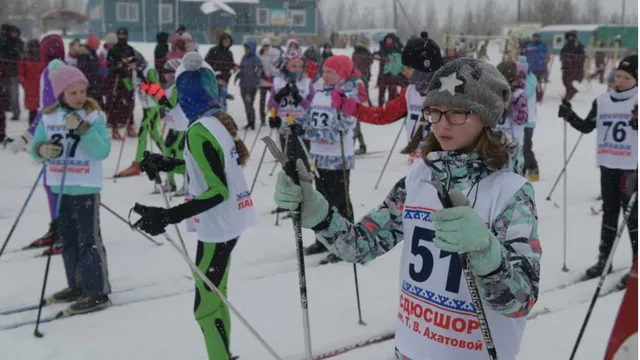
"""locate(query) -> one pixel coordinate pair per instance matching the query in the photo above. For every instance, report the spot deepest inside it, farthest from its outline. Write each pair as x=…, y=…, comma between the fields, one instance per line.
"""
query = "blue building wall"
x=552, y=37
x=145, y=26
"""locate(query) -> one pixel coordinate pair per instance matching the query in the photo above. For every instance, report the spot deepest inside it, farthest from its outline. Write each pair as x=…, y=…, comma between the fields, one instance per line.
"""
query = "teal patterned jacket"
x=512, y=289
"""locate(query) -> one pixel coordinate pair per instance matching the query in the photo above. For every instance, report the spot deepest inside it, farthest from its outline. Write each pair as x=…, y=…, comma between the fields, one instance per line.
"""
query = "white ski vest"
x=414, y=112
x=617, y=141
x=175, y=118
x=323, y=117
x=436, y=318
x=286, y=107
x=229, y=219
x=81, y=169
x=507, y=125
x=145, y=100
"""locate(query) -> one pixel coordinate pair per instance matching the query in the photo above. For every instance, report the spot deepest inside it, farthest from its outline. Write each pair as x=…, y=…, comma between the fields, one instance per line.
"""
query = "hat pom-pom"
x=55, y=65
x=192, y=61
x=424, y=35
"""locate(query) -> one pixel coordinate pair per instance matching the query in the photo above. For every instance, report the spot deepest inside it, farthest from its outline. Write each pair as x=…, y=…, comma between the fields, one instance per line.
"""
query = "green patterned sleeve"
x=377, y=233
x=512, y=289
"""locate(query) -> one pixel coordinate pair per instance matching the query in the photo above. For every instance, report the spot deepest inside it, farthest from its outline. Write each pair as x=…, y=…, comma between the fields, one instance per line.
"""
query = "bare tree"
x=469, y=25
x=592, y=12
x=549, y=11
x=433, y=27
x=450, y=22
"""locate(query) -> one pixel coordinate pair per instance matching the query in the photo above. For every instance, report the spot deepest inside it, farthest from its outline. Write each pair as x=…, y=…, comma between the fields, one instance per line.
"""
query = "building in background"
x=242, y=18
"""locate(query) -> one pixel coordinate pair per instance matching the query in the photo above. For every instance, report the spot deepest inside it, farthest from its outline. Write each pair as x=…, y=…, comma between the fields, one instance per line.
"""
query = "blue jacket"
x=97, y=136
x=250, y=67
x=536, y=56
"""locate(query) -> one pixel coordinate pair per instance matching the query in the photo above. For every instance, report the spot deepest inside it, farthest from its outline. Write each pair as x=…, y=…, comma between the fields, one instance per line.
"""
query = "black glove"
x=152, y=164
x=629, y=182
x=289, y=90
x=634, y=120
x=275, y=122
x=565, y=109
x=165, y=102
x=153, y=221
x=296, y=129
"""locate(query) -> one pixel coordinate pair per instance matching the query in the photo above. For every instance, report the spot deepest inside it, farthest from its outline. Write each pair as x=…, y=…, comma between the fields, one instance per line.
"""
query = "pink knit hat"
x=65, y=76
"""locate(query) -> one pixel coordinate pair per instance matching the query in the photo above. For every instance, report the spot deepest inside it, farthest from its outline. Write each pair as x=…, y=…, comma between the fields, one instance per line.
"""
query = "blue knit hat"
x=197, y=86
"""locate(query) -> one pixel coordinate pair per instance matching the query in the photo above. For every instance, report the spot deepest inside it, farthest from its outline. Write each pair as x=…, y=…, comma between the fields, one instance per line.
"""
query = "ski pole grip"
x=140, y=209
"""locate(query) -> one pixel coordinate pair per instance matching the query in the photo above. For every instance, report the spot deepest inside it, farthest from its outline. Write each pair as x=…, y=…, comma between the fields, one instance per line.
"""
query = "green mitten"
x=289, y=196
x=460, y=229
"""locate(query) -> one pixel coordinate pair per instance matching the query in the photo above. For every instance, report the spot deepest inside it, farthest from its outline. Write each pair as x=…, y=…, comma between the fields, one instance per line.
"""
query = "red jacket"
x=392, y=111
x=29, y=72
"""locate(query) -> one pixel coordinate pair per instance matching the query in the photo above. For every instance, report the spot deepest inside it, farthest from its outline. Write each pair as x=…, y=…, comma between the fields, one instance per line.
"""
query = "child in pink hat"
x=72, y=139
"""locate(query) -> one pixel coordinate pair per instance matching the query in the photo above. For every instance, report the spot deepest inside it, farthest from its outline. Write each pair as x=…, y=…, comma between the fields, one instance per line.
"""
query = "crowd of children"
x=466, y=115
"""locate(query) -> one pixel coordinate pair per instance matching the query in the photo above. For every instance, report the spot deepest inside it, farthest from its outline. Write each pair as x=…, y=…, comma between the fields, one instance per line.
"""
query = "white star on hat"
x=449, y=83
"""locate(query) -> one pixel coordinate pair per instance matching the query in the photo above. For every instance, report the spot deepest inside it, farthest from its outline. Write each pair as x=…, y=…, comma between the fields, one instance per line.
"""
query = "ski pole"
x=24, y=206
x=564, y=202
x=125, y=221
x=349, y=211
x=224, y=299
x=168, y=205
x=564, y=168
x=625, y=219
x=255, y=177
x=115, y=174
x=255, y=140
x=395, y=142
x=297, y=231
x=36, y=332
x=447, y=202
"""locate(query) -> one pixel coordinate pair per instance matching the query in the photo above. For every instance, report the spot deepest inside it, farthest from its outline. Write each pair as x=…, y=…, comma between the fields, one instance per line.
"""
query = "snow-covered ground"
x=263, y=282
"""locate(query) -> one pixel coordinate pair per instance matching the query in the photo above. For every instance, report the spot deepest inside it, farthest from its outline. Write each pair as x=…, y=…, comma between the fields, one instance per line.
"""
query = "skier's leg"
x=92, y=254
x=211, y=313
x=69, y=235
x=154, y=125
x=142, y=135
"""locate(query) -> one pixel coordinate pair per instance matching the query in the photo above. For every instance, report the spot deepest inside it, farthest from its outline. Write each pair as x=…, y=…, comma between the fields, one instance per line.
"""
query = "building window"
x=166, y=13
x=127, y=12
x=297, y=17
x=262, y=17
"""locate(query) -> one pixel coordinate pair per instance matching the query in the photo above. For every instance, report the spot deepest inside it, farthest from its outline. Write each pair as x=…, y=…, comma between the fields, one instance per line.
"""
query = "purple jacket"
x=47, y=98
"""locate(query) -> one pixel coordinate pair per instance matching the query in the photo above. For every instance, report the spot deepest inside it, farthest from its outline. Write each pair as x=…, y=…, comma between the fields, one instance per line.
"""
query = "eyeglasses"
x=454, y=116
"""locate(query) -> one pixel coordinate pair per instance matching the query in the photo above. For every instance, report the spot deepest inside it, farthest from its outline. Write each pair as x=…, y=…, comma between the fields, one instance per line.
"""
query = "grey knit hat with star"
x=470, y=84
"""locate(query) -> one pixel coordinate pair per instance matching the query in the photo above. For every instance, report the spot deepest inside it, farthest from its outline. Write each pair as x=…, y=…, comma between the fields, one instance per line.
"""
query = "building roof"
x=64, y=14
x=569, y=27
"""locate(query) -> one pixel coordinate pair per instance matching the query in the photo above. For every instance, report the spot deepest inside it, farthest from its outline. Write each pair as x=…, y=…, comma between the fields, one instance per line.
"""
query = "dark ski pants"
x=214, y=259
x=264, y=91
x=83, y=252
x=613, y=201
x=249, y=98
x=357, y=135
x=530, y=162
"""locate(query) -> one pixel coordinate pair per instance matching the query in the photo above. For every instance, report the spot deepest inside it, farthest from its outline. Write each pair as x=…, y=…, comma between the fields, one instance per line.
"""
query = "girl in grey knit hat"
x=491, y=218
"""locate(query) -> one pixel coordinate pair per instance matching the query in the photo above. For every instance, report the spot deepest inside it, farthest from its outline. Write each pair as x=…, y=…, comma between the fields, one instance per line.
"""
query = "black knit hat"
x=630, y=65
x=123, y=31
x=422, y=54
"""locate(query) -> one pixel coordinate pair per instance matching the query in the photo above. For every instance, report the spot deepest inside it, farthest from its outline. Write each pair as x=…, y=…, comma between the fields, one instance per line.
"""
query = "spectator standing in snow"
x=120, y=100
x=537, y=55
x=531, y=85
x=363, y=59
x=249, y=77
x=600, y=58
x=8, y=67
x=71, y=57
x=30, y=70
x=88, y=62
x=390, y=73
x=572, y=57
x=269, y=57
x=220, y=58
x=160, y=54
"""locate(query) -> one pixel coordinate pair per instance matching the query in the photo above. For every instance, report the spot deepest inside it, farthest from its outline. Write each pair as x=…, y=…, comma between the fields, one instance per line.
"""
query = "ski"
x=545, y=311
x=576, y=280
x=353, y=346
x=50, y=301
x=66, y=313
